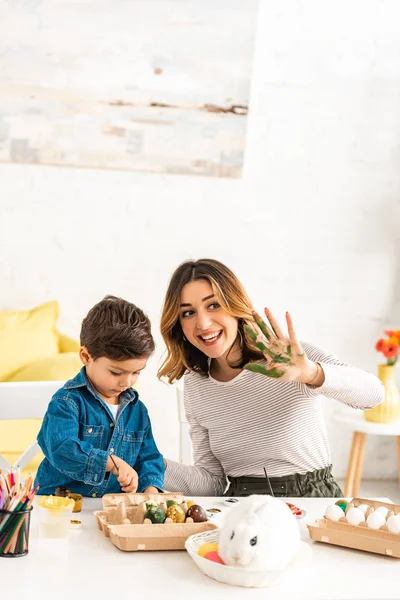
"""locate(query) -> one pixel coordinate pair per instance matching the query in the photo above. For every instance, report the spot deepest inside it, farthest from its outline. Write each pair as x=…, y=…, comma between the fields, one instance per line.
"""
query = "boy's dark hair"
x=116, y=329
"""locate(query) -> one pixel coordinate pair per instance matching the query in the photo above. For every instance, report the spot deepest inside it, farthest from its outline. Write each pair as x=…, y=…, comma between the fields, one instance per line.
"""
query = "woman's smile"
x=210, y=338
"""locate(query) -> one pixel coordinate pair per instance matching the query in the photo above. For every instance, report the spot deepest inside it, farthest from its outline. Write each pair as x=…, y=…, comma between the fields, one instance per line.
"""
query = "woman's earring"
x=184, y=339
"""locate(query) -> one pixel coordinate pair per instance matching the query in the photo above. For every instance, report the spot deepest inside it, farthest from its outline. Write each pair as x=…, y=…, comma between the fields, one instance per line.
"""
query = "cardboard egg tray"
x=359, y=537
x=142, y=536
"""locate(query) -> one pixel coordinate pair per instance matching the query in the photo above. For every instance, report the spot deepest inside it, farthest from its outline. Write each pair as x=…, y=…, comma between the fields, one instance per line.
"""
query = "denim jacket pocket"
x=131, y=442
x=93, y=434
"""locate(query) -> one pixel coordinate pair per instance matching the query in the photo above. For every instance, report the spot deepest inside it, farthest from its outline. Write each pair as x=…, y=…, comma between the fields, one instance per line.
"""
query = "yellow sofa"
x=32, y=349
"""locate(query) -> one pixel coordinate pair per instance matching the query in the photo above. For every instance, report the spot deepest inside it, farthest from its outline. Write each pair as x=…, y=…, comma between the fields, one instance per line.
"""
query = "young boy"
x=96, y=434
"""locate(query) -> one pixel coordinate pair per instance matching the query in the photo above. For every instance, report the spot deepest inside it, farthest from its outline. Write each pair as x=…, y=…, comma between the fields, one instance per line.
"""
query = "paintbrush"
x=115, y=464
x=271, y=493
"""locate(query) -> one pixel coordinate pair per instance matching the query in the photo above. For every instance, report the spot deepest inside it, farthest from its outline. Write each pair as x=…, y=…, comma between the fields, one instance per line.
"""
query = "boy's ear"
x=84, y=355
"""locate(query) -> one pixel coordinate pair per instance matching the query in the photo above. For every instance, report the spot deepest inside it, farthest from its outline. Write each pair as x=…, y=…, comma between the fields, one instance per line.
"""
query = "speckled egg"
x=197, y=513
x=175, y=513
x=155, y=514
x=334, y=513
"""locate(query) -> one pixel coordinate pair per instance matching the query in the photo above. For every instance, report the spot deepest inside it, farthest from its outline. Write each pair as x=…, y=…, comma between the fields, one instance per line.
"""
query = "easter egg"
x=342, y=503
x=175, y=513
x=155, y=514
x=197, y=513
x=189, y=503
x=208, y=547
x=171, y=503
x=215, y=557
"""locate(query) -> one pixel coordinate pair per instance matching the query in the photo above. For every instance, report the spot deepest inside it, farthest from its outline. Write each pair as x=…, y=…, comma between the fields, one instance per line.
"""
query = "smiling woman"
x=253, y=394
x=203, y=324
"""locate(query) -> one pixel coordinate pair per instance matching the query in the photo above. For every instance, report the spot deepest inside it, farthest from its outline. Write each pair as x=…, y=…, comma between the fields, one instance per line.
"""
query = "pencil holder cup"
x=14, y=533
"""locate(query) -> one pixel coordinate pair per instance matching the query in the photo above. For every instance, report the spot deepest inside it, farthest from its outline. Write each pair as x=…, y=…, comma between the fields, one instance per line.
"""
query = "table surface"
x=87, y=565
x=355, y=420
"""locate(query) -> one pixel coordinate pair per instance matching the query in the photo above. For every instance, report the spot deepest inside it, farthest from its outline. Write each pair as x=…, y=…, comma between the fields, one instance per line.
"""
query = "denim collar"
x=81, y=380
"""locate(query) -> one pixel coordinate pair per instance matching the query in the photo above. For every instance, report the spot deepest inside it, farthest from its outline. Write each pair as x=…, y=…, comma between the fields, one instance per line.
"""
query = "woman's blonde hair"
x=182, y=356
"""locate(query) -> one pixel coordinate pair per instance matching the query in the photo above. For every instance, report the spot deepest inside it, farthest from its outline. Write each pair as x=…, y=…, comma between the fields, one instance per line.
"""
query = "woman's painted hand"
x=286, y=358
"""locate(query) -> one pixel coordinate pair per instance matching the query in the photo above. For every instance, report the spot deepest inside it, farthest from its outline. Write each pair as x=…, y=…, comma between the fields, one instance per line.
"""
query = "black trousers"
x=315, y=484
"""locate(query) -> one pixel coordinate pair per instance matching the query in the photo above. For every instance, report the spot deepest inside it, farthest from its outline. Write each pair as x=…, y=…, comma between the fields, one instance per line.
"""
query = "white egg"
x=355, y=516
x=382, y=510
x=393, y=524
x=334, y=513
x=363, y=508
x=375, y=520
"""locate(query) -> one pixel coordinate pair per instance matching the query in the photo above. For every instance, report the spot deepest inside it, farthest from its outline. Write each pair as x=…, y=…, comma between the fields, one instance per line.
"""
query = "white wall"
x=313, y=227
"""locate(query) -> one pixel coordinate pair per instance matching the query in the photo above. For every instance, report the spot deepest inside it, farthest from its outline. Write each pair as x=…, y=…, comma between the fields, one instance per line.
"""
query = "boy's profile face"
x=111, y=377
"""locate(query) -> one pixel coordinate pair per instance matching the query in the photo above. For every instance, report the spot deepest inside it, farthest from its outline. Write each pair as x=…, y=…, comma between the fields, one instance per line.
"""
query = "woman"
x=253, y=395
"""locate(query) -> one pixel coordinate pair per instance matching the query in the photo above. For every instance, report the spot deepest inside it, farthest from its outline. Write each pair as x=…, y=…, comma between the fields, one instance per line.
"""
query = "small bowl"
x=78, y=502
x=246, y=577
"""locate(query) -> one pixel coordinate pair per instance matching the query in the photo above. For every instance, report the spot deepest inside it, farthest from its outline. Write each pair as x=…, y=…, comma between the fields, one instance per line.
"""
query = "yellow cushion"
x=67, y=344
x=16, y=436
x=27, y=335
x=57, y=368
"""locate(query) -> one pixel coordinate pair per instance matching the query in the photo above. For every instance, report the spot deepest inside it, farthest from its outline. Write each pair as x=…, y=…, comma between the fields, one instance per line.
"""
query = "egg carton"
x=117, y=522
x=168, y=536
x=123, y=509
x=358, y=537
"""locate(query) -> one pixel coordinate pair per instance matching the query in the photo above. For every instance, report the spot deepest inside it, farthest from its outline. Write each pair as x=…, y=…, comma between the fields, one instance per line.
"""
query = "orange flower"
x=393, y=335
x=390, y=347
x=390, y=350
x=380, y=344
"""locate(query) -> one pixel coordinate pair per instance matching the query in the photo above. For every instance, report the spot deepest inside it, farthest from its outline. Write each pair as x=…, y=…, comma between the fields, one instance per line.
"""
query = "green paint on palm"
x=253, y=336
x=278, y=358
x=250, y=332
x=262, y=326
x=262, y=370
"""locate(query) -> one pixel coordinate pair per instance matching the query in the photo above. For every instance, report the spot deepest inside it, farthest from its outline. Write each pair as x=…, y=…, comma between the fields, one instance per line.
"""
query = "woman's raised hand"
x=286, y=358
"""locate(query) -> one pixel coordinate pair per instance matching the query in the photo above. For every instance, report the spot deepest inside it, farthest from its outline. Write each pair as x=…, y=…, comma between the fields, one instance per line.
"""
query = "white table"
x=86, y=565
x=356, y=421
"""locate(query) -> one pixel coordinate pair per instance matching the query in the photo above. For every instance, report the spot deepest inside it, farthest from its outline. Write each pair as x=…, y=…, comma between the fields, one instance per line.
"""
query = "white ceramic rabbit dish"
x=259, y=533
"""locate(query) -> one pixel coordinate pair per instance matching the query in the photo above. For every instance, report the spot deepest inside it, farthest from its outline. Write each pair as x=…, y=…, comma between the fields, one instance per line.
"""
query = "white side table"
x=361, y=428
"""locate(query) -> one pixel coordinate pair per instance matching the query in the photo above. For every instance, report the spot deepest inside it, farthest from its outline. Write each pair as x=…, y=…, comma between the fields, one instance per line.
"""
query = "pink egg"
x=214, y=556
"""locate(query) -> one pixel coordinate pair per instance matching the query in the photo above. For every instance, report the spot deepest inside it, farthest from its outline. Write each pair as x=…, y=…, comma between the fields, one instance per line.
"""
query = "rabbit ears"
x=259, y=504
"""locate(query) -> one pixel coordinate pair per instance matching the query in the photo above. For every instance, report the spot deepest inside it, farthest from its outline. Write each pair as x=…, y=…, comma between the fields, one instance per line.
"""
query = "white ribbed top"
x=251, y=422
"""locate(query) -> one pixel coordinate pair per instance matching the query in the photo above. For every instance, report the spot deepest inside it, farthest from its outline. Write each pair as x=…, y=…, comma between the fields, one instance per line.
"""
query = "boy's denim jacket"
x=79, y=433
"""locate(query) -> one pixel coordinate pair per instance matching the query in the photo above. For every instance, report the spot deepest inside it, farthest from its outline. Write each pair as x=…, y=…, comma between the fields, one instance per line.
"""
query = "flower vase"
x=389, y=410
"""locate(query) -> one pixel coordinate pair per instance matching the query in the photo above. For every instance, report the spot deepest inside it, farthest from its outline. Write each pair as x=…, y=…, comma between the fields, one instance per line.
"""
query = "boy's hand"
x=126, y=475
x=151, y=490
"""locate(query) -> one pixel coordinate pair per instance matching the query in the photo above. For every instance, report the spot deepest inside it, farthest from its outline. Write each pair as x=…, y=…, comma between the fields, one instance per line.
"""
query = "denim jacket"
x=79, y=433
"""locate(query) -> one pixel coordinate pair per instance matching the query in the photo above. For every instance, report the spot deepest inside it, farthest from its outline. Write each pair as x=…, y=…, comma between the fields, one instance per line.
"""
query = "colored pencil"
x=16, y=501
